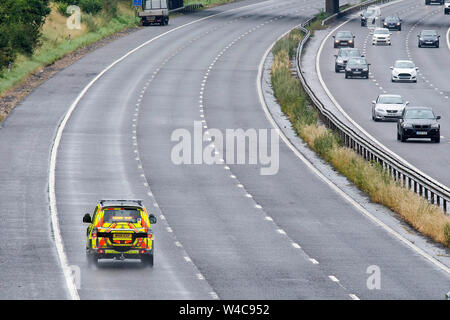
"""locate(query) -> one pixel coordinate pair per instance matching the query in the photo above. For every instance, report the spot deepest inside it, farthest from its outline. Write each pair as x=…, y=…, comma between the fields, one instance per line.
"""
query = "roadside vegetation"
x=207, y=3
x=428, y=219
x=54, y=40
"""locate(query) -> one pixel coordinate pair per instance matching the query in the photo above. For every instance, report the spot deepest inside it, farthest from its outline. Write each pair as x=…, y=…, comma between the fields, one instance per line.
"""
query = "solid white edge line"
x=448, y=38
x=338, y=106
x=333, y=186
x=70, y=281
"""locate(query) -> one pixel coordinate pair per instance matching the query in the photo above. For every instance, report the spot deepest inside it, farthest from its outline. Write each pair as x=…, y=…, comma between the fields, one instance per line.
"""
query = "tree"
x=20, y=27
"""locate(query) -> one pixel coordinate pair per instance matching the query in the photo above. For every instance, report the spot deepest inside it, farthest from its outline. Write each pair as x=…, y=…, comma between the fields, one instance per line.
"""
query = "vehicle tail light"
x=100, y=251
x=150, y=236
x=142, y=251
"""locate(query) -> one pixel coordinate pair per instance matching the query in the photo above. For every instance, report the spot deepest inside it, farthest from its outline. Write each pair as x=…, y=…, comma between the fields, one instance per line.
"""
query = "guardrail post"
x=432, y=197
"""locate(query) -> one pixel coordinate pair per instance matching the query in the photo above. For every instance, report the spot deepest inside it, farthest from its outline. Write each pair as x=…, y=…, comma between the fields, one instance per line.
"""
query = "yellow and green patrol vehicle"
x=120, y=229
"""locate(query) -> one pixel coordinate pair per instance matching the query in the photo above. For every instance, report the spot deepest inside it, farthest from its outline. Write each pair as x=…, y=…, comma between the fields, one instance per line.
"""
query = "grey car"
x=344, y=39
x=342, y=57
x=388, y=107
x=428, y=38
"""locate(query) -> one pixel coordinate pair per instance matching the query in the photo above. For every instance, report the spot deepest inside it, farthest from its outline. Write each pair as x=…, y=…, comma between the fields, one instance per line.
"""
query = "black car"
x=342, y=57
x=428, y=38
x=393, y=23
x=344, y=39
x=418, y=122
x=357, y=67
x=428, y=2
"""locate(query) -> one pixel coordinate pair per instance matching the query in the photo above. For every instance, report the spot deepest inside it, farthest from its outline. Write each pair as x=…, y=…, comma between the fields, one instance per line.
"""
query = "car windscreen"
x=357, y=61
x=344, y=34
x=419, y=114
x=428, y=33
x=381, y=31
x=112, y=215
x=404, y=65
x=390, y=100
x=391, y=19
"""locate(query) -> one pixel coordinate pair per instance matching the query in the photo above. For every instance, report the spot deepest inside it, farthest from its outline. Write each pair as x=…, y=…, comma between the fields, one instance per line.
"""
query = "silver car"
x=388, y=107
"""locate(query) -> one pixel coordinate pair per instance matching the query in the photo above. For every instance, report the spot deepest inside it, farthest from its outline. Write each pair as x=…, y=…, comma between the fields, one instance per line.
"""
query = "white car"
x=447, y=7
x=381, y=36
x=404, y=70
x=388, y=107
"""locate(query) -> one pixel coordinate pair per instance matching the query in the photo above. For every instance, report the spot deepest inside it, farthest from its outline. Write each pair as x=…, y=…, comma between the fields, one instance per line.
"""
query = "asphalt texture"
x=224, y=231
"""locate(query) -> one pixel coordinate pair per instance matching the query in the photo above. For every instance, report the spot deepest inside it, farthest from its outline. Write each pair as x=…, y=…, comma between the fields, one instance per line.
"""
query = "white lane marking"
x=333, y=278
x=354, y=296
x=448, y=38
x=314, y=261
x=333, y=186
x=200, y=276
x=73, y=292
x=296, y=245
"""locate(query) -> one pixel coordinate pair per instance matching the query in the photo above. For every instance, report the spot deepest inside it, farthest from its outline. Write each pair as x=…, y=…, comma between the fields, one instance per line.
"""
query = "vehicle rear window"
x=112, y=215
x=346, y=34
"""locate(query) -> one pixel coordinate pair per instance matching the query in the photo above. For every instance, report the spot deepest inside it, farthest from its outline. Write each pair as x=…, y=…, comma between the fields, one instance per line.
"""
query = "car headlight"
x=435, y=125
x=348, y=69
x=365, y=69
x=407, y=125
x=398, y=23
x=340, y=60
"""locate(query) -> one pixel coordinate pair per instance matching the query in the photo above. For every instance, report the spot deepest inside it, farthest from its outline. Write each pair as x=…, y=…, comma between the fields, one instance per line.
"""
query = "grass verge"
x=428, y=219
x=56, y=44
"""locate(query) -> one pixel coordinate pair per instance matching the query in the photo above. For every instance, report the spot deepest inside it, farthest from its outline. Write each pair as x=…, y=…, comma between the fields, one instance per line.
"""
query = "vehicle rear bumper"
x=111, y=253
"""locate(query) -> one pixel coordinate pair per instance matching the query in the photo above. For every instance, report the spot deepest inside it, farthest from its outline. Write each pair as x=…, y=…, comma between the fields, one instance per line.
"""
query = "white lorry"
x=154, y=11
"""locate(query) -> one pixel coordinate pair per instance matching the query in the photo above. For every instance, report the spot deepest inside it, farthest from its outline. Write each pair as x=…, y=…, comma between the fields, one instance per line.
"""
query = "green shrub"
x=62, y=8
x=324, y=143
x=90, y=22
x=91, y=6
